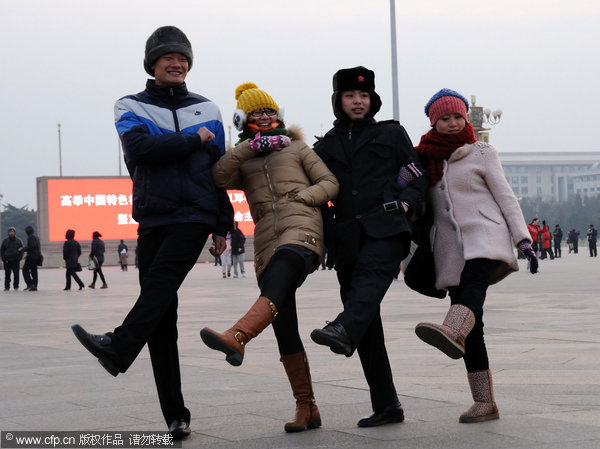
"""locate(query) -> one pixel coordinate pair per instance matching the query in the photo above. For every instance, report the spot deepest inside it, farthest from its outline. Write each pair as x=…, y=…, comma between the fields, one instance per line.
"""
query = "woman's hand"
x=267, y=143
x=525, y=247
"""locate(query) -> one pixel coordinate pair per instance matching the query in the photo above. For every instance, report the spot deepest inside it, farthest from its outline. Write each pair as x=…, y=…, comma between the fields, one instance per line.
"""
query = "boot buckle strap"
x=238, y=337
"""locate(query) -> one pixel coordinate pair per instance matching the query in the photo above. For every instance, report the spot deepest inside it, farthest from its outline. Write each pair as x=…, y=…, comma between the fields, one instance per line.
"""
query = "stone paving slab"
x=542, y=333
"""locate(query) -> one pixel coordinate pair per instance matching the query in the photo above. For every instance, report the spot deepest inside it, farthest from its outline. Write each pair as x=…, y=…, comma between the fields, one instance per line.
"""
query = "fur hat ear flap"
x=280, y=114
x=239, y=119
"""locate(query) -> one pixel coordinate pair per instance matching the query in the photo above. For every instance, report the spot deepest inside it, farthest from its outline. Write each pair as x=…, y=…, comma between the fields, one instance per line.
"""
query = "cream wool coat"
x=285, y=189
x=476, y=215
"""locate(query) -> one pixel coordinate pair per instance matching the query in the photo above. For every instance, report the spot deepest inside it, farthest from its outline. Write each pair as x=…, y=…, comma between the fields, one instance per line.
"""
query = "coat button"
x=358, y=217
x=354, y=192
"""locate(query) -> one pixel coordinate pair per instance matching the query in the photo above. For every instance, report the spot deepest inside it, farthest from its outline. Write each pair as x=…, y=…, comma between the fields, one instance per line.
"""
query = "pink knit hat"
x=444, y=102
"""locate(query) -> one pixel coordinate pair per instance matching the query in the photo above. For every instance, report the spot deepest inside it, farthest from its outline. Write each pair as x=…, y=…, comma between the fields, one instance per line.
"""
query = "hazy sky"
x=67, y=61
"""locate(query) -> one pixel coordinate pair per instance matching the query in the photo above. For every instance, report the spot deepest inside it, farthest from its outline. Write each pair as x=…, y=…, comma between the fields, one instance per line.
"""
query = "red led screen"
x=104, y=205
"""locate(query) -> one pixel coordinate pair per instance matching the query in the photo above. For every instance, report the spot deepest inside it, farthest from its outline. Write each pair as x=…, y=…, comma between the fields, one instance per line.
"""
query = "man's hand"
x=205, y=135
x=219, y=246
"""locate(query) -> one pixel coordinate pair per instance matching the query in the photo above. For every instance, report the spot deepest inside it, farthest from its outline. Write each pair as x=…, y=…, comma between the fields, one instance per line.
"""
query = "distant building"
x=552, y=176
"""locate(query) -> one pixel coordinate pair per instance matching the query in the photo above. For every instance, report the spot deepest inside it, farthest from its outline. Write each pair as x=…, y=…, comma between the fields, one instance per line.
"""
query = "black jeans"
x=165, y=255
x=363, y=284
x=30, y=272
x=11, y=266
x=286, y=271
x=474, y=282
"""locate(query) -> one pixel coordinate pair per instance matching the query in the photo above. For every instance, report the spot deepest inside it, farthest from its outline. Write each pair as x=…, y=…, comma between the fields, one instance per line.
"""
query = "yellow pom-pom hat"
x=250, y=98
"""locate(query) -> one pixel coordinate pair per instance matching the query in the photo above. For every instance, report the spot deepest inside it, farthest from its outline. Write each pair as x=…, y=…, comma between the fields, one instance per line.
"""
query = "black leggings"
x=474, y=282
x=98, y=272
x=286, y=271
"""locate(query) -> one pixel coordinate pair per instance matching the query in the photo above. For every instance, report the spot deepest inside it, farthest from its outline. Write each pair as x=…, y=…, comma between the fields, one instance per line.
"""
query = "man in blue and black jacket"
x=171, y=138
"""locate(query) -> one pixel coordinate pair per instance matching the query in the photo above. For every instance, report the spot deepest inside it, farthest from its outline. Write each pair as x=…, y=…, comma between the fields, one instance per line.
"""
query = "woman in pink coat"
x=476, y=226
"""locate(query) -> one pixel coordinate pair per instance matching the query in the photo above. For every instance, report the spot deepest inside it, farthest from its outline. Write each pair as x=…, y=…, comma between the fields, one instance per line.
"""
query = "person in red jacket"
x=534, y=231
x=546, y=242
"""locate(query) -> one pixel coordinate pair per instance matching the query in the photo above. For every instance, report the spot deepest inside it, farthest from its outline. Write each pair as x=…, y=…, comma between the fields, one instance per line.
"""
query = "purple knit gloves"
x=525, y=247
x=409, y=173
x=267, y=143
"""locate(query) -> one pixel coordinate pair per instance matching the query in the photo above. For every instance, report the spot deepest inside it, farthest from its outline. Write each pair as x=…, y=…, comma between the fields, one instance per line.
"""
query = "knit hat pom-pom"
x=242, y=87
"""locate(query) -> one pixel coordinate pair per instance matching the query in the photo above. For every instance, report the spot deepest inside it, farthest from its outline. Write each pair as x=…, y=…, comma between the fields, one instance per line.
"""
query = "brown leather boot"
x=482, y=390
x=307, y=414
x=232, y=341
x=450, y=336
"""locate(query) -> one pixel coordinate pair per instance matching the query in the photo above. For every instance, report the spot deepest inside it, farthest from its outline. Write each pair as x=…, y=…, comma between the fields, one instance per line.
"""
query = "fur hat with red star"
x=355, y=78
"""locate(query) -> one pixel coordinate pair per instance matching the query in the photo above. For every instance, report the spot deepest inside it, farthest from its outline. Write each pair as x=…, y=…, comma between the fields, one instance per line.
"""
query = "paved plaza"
x=542, y=332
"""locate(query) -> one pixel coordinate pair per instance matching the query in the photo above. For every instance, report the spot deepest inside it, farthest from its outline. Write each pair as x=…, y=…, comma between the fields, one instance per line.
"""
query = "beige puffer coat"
x=476, y=215
x=285, y=189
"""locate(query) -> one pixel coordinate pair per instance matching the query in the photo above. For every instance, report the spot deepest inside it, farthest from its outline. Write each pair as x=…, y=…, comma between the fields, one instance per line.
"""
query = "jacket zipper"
x=275, y=217
x=176, y=122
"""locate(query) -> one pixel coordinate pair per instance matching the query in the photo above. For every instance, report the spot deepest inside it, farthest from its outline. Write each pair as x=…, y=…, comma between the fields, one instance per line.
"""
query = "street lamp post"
x=1, y=196
x=396, y=108
x=119, y=155
x=59, y=151
x=479, y=116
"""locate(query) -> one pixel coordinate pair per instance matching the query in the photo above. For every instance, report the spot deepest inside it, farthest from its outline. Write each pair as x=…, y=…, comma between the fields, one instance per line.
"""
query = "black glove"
x=525, y=247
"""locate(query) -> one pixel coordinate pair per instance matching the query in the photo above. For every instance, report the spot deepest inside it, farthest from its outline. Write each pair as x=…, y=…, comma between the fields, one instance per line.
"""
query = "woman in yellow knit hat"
x=285, y=183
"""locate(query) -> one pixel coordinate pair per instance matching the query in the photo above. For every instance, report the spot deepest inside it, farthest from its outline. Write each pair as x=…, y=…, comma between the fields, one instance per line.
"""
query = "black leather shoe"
x=101, y=347
x=179, y=429
x=387, y=415
x=335, y=336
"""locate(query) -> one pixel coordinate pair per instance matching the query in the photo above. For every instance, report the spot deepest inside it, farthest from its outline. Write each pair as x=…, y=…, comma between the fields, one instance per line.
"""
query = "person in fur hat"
x=285, y=184
x=478, y=223
x=381, y=184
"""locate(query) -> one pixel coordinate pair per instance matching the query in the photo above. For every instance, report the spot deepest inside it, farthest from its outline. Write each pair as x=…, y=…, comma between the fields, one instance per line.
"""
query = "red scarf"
x=438, y=147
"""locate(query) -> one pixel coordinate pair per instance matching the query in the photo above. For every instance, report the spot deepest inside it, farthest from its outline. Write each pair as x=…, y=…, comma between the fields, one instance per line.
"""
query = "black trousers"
x=557, y=249
x=286, y=271
x=363, y=284
x=474, y=282
x=30, y=272
x=11, y=267
x=165, y=257
x=593, y=249
x=71, y=273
